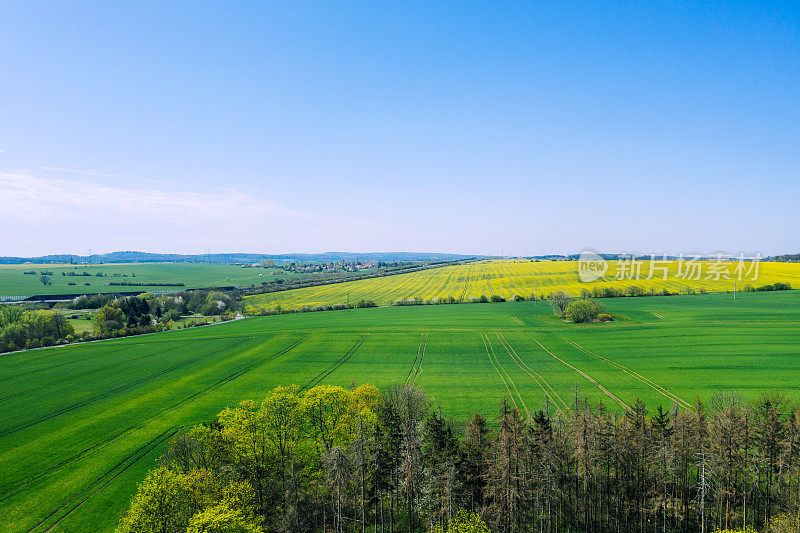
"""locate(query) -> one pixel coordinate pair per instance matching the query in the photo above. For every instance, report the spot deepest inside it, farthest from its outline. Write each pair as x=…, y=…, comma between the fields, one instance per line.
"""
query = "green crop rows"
x=79, y=425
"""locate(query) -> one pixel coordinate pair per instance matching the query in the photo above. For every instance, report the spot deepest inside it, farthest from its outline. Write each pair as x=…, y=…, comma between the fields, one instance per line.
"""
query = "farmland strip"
x=421, y=357
x=531, y=372
x=483, y=338
x=19, y=485
x=414, y=364
x=39, y=370
x=101, y=396
x=445, y=284
x=466, y=283
x=658, y=388
x=500, y=365
x=89, y=372
x=122, y=465
x=587, y=376
x=316, y=380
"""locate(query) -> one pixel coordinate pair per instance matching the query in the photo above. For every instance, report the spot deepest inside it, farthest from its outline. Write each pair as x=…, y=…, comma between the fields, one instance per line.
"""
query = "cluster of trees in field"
x=22, y=328
x=331, y=459
x=585, y=309
x=778, y=286
x=147, y=313
x=31, y=325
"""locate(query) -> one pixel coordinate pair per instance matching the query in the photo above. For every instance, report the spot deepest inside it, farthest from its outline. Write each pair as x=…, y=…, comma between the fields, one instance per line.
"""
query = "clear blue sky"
x=525, y=128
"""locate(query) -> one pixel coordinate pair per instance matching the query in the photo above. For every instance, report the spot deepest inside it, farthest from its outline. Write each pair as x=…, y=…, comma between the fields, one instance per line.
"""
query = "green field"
x=14, y=282
x=80, y=425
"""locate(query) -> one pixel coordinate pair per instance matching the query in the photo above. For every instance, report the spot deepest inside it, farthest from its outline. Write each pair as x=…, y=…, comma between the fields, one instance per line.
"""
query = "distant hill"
x=146, y=257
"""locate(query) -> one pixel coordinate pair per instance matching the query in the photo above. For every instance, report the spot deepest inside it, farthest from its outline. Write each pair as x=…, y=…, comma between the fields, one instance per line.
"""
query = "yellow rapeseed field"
x=510, y=277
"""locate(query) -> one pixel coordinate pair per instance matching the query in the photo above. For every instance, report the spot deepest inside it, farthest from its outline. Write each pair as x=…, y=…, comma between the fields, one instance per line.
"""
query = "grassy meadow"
x=14, y=281
x=511, y=277
x=80, y=425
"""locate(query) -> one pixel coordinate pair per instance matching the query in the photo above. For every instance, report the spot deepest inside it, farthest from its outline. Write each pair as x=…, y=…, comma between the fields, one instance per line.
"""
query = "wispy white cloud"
x=55, y=210
x=28, y=196
x=44, y=212
x=81, y=172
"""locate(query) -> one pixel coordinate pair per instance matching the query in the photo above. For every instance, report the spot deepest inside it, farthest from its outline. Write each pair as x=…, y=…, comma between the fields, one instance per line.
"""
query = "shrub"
x=464, y=522
x=497, y=298
x=584, y=310
x=634, y=290
x=559, y=302
x=778, y=286
x=172, y=314
x=604, y=317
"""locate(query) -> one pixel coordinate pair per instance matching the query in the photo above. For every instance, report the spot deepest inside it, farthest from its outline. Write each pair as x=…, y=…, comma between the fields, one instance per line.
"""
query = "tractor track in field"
x=49, y=367
x=466, y=283
x=416, y=366
x=19, y=485
x=489, y=348
x=97, y=397
x=647, y=381
x=316, y=380
x=554, y=397
x=585, y=375
x=421, y=357
x=104, y=480
x=446, y=282
x=517, y=320
x=90, y=372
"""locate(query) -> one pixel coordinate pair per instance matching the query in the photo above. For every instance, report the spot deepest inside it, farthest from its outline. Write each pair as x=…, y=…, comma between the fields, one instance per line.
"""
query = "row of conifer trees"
x=333, y=459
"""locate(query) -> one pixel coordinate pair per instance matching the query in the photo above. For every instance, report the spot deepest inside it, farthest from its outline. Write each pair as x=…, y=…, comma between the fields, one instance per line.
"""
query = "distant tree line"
x=785, y=258
x=148, y=313
x=279, y=310
x=145, y=284
x=331, y=459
